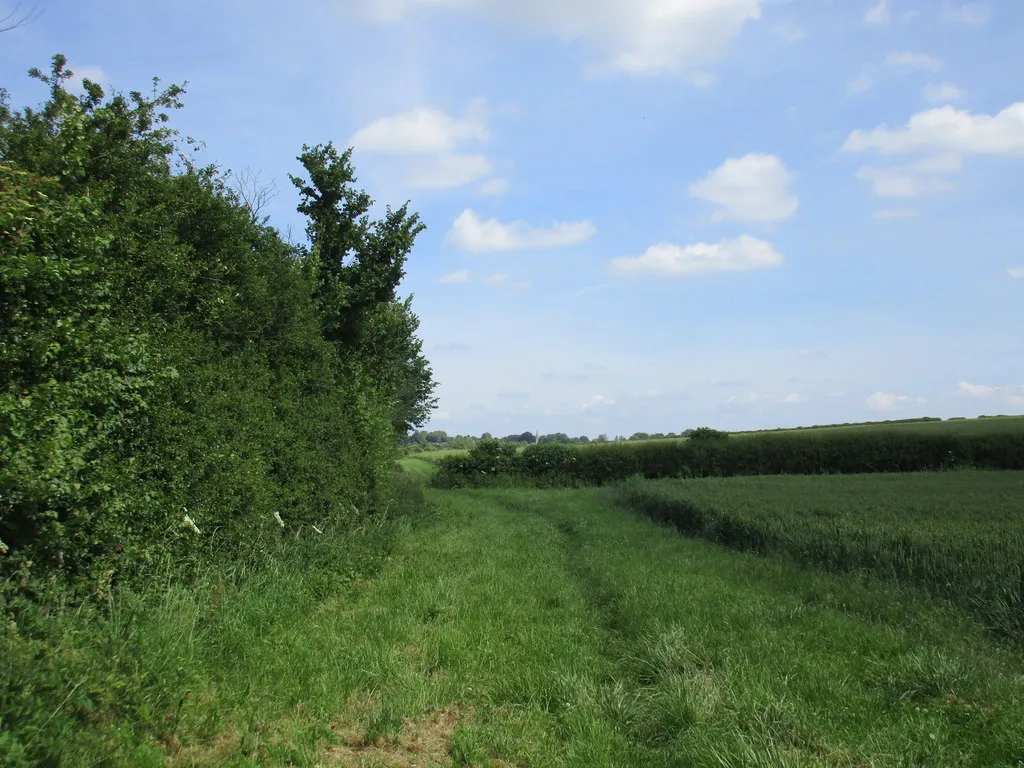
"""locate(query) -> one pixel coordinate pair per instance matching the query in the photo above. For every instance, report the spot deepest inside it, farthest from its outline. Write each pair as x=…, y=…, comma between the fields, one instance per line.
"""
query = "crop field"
x=956, y=534
x=985, y=425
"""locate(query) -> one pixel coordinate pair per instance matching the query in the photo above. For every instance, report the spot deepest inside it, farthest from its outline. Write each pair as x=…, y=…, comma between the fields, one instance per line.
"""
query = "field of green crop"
x=956, y=534
x=986, y=425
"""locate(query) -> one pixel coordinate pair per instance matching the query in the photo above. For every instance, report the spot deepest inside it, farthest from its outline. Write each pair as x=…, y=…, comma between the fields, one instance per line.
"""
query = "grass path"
x=551, y=628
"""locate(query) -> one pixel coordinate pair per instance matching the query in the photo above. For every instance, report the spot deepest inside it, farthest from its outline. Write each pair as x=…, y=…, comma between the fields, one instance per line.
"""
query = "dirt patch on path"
x=424, y=742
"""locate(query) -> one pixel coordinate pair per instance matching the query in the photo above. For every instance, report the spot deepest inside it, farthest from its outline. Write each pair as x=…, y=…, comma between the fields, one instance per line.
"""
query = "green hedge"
x=165, y=353
x=770, y=454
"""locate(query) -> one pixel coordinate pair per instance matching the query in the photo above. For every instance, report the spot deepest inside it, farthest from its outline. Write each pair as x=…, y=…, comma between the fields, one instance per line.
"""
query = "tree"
x=357, y=266
x=254, y=194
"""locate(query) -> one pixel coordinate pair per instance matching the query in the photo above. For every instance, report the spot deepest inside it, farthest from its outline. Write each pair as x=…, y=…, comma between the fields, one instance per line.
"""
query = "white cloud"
x=462, y=276
x=423, y=130
x=449, y=171
x=1016, y=272
x=943, y=92
x=433, y=140
x=894, y=213
x=636, y=37
x=1013, y=395
x=795, y=398
x=754, y=187
x=440, y=416
x=878, y=15
x=597, y=401
x=902, y=181
x=736, y=255
x=976, y=390
x=905, y=61
x=470, y=233
x=974, y=14
x=947, y=130
x=493, y=187
x=888, y=401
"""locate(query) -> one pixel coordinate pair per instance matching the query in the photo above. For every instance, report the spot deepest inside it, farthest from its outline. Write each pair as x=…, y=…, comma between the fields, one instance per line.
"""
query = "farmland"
x=958, y=535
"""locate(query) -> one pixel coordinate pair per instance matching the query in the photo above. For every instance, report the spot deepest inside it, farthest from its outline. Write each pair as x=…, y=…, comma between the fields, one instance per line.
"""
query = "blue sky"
x=643, y=215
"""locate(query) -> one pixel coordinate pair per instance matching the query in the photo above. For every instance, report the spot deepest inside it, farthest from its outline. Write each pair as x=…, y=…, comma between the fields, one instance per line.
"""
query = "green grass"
x=418, y=466
x=956, y=534
x=517, y=628
x=434, y=454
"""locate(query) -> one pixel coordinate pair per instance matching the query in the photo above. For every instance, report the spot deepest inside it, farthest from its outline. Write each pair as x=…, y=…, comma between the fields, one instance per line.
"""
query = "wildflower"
x=190, y=523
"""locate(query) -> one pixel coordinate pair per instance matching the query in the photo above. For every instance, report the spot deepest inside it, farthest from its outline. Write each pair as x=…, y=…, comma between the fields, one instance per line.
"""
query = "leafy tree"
x=357, y=266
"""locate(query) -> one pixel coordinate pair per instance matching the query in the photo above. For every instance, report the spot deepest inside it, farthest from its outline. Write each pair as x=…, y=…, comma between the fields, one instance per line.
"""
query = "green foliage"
x=713, y=454
x=163, y=354
x=956, y=534
x=487, y=463
x=707, y=433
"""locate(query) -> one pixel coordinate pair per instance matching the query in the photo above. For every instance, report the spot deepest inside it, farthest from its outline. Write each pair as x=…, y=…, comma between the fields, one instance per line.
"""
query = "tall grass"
x=236, y=664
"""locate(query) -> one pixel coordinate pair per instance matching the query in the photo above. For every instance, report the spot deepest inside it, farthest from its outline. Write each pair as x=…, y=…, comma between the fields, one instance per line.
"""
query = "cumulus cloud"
x=754, y=188
x=878, y=15
x=945, y=92
x=1016, y=272
x=735, y=255
x=973, y=14
x=471, y=233
x=634, y=37
x=597, y=401
x=976, y=390
x=423, y=130
x=1013, y=395
x=462, y=276
x=889, y=401
x=795, y=398
x=894, y=213
x=947, y=130
x=433, y=142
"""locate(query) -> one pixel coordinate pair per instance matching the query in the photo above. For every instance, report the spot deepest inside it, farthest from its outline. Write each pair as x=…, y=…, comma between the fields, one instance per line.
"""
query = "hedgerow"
x=715, y=455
